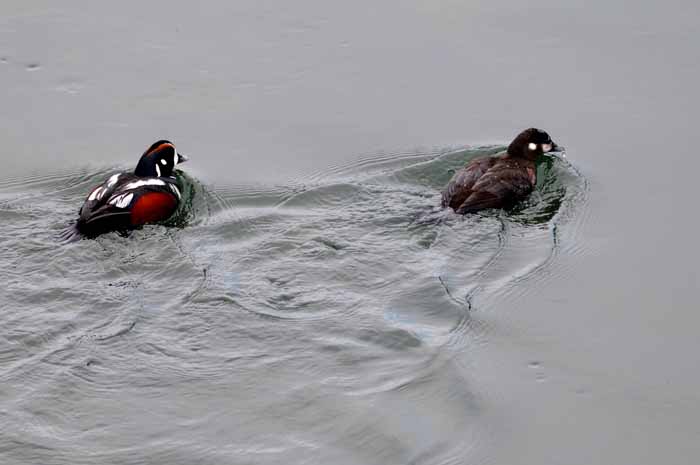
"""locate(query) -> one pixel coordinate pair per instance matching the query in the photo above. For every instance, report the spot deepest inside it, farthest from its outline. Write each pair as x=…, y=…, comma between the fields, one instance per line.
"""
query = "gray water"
x=317, y=307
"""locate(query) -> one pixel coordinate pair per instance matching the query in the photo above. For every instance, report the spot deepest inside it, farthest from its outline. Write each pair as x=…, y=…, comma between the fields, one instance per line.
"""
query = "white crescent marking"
x=113, y=180
x=122, y=201
x=97, y=193
x=145, y=182
x=175, y=189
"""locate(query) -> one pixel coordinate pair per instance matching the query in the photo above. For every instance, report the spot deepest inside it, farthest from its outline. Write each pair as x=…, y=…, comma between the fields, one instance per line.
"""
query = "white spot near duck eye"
x=532, y=146
x=158, y=170
x=174, y=156
x=163, y=162
x=546, y=147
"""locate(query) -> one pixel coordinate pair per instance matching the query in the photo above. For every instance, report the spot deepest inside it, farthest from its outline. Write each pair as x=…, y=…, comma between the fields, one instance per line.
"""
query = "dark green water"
x=312, y=304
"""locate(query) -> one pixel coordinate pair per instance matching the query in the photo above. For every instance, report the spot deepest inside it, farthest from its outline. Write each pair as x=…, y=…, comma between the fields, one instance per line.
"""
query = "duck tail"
x=70, y=233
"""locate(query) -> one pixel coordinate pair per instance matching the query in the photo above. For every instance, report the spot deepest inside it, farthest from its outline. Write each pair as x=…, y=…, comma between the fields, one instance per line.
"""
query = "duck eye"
x=532, y=146
x=546, y=147
x=163, y=162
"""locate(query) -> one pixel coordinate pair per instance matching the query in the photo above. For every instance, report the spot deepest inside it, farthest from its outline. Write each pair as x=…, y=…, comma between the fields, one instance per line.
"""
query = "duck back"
x=495, y=182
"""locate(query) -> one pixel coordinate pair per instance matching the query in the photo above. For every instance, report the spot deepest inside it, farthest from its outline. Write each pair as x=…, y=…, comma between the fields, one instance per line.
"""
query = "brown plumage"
x=500, y=181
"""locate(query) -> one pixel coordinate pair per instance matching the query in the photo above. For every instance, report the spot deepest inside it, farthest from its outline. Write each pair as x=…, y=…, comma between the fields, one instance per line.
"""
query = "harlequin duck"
x=127, y=200
x=499, y=181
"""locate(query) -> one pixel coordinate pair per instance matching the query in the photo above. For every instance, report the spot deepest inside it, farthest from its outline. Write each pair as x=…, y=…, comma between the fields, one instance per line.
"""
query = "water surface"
x=318, y=307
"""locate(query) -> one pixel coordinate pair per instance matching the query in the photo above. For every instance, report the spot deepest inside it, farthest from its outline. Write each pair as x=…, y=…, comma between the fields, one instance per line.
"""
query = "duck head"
x=159, y=160
x=531, y=143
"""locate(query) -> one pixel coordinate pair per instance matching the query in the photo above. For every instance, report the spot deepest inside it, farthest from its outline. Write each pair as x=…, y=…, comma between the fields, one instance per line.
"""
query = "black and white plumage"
x=128, y=200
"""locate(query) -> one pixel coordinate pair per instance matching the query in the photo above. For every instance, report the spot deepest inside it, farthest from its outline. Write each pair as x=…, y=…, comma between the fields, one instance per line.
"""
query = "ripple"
x=304, y=307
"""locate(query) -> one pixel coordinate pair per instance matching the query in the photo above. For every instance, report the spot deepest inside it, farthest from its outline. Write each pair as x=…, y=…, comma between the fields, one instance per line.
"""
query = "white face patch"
x=174, y=156
x=532, y=146
x=546, y=147
x=158, y=169
x=163, y=162
x=121, y=201
x=144, y=182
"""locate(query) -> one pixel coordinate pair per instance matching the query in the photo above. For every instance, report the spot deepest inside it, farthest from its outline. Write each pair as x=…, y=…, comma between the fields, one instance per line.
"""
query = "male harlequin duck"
x=499, y=181
x=127, y=200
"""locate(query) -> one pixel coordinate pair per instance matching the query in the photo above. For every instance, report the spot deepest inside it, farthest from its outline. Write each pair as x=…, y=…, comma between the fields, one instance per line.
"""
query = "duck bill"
x=182, y=158
x=558, y=149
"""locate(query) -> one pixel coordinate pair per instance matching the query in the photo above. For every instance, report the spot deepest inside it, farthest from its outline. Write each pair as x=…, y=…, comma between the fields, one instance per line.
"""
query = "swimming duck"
x=499, y=181
x=128, y=200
